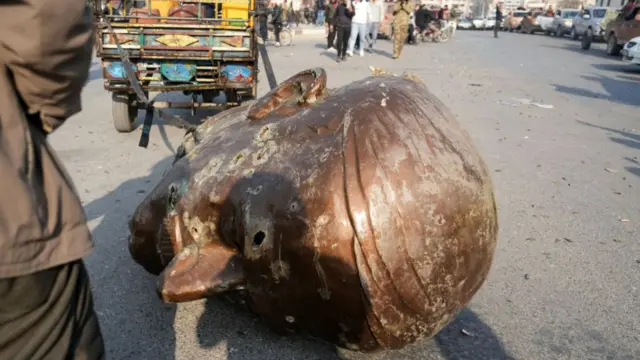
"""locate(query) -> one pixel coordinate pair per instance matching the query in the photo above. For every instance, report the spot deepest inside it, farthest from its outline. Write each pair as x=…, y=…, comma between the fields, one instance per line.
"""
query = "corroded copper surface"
x=363, y=215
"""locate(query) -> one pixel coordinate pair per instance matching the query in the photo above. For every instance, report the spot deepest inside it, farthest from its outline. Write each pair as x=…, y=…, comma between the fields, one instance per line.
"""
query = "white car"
x=631, y=51
x=490, y=22
x=478, y=23
x=465, y=24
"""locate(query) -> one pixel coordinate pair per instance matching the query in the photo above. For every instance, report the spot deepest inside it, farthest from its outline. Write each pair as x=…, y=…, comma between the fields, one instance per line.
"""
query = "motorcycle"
x=447, y=30
x=286, y=34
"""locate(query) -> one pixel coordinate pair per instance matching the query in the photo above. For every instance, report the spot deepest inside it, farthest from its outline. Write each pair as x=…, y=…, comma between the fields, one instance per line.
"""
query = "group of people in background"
x=352, y=26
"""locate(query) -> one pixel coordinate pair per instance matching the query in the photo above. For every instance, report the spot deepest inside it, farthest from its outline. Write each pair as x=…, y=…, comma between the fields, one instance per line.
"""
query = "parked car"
x=512, y=22
x=478, y=23
x=620, y=30
x=631, y=51
x=465, y=24
x=589, y=21
x=546, y=23
x=563, y=21
x=529, y=24
x=490, y=22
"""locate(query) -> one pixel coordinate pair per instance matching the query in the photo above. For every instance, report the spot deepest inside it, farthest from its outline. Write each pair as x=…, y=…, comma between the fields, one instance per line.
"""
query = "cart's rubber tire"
x=124, y=110
x=613, y=48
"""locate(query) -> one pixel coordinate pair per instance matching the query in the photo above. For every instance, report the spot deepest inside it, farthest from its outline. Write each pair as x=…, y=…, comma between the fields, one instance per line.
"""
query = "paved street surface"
x=564, y=283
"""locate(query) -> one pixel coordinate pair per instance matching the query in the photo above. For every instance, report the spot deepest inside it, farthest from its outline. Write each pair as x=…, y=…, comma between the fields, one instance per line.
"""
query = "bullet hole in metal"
x=258, y=238
x=294, y=206
x=194, y=230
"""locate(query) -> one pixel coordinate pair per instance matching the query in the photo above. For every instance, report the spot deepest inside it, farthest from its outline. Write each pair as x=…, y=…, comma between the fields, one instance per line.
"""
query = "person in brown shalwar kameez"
x=46, y=306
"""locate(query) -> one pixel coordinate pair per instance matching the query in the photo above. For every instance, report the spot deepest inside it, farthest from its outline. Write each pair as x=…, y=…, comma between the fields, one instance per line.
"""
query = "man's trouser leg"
x=277, y=28
x=320, y=19
x=331, y=36
x=399, y=37
x=372, y=33
x=352, y=37
x=264, y=33
x=495, y=28
x=49, y=315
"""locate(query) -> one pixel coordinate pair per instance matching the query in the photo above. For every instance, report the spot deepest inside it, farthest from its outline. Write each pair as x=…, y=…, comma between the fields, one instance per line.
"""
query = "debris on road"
x=526, y=276
x=518, y=102
x=624, y=220
x=468, y=333
x=610, y=170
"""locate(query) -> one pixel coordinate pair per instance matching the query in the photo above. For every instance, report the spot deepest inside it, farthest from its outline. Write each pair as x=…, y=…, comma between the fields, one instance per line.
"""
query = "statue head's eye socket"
x=172, y=197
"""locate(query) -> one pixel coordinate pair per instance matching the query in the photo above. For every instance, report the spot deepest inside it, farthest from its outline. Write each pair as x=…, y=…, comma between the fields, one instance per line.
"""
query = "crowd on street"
x=353, y=25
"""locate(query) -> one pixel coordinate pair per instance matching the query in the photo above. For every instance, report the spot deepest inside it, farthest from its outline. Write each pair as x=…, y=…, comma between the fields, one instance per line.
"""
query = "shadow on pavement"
x=574, y=47
x=626, y=138
x=478, y=341
x=621, y=68
x=248, y=337
x=135, y=323
x=618, y=91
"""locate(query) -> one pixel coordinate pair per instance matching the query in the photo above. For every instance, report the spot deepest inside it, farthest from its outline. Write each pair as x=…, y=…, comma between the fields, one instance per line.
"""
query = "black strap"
x=150, y=110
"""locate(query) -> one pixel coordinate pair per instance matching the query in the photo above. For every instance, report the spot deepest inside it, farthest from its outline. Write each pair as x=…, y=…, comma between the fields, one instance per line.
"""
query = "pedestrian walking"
x=263, y=17
x=330, y=13
x=277, y=21
x=496, y=26
x=320, y=7
x=358, y=26
x=46, y=304
x=342, y=23
x=376, y=13
x=295, y=11
x=401, y=12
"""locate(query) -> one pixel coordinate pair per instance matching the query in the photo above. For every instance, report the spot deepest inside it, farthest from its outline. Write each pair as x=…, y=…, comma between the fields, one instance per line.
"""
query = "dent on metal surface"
x=362, y=215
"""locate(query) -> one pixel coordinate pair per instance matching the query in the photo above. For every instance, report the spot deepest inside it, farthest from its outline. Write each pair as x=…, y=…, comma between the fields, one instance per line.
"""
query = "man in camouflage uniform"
x=401, y=13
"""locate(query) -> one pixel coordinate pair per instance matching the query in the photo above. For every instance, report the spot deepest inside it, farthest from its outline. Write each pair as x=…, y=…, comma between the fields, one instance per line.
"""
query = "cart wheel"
x=286, y=37
x=613, y=48
x=124, y=110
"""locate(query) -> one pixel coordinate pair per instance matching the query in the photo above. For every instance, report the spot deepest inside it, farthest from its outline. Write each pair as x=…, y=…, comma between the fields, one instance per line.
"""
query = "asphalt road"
x=564, y=283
